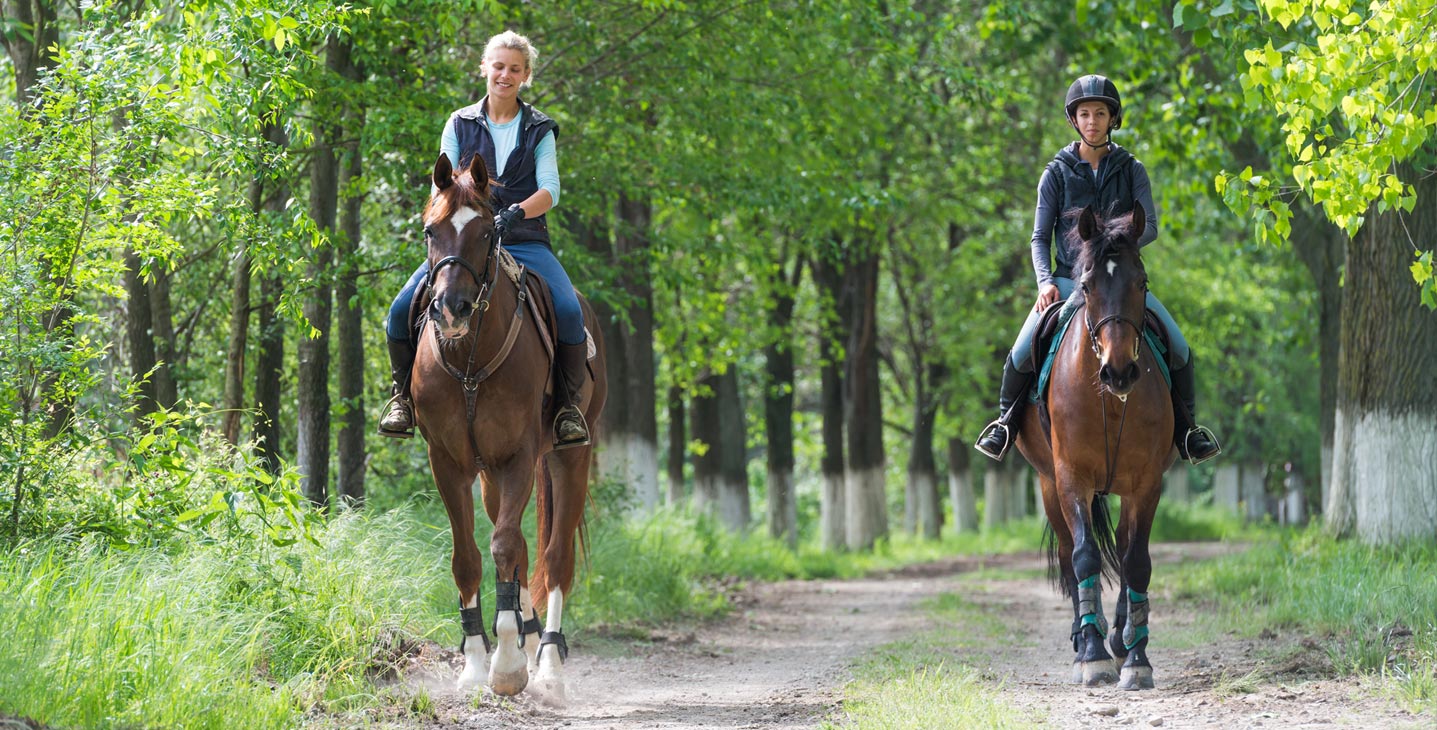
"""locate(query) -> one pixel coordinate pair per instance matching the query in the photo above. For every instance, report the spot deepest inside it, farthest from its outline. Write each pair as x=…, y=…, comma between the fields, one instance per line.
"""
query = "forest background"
x=804, y=225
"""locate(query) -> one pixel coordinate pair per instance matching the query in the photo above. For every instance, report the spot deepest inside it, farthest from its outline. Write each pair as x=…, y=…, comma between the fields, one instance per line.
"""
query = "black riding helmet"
x=1095, y=88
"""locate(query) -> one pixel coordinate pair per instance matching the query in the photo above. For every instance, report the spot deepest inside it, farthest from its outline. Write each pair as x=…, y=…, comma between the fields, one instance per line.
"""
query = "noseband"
x=1094, y=329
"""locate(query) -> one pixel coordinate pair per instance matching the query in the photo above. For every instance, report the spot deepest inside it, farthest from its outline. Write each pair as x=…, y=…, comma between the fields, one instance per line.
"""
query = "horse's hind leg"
x=510, y=484
x=569, y=491
x=454, y=483
x=1121, y=603
x=1094, y=661
x=1137, y=672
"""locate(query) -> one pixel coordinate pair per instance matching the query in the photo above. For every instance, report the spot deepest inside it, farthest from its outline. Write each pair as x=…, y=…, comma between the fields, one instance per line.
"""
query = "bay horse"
x=478, y=385
x=1111, y=433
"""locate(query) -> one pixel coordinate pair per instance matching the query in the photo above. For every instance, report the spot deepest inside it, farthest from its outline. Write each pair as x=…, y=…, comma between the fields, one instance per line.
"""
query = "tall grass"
x=1373, y=609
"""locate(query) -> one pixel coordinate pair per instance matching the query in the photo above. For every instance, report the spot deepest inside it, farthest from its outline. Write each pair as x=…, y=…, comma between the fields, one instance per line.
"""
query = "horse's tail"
x=539, y=584
x=1102, y=531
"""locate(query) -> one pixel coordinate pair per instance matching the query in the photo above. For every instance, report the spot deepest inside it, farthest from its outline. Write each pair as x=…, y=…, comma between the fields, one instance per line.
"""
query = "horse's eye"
x=428, y=233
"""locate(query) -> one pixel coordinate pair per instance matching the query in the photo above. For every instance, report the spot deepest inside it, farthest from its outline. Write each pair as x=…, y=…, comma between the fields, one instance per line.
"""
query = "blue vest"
x=1112, y=196
x=519, y=180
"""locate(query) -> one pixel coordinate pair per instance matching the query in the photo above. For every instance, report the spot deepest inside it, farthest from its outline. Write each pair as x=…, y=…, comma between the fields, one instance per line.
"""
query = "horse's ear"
x=1087, y=224
x=1140, y=222
x=443, y=172
x=479, y=172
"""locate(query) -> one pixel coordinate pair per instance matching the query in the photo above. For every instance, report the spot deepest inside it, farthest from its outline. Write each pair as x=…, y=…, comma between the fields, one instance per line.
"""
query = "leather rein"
x=468, y=380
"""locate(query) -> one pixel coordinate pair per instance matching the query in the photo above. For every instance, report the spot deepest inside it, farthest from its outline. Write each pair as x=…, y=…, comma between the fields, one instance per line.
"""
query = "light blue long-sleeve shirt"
x=506, y=136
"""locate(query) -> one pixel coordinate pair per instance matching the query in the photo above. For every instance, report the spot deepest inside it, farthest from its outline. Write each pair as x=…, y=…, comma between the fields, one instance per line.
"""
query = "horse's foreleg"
x=454, y=484
x=1094, y=663
x=1137, y=672
x=570, y=472
x=512, y=480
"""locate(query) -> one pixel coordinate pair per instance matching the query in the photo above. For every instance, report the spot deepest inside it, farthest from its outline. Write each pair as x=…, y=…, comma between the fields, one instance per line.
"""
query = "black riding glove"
x=507, y=218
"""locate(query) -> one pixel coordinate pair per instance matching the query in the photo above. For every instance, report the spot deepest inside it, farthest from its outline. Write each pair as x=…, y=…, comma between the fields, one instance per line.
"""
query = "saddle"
x=540, y=306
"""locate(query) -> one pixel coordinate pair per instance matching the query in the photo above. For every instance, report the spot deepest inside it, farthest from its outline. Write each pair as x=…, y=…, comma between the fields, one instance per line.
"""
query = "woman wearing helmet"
x=1091, y=172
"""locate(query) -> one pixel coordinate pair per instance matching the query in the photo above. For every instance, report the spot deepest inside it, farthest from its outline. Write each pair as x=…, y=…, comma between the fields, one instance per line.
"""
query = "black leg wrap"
x=506, y=598
x=531, y=626
x=472, y=621
x=557, y=639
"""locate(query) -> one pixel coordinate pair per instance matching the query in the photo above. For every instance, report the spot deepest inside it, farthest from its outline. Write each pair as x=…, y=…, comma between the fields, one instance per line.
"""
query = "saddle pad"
x=1065, y=318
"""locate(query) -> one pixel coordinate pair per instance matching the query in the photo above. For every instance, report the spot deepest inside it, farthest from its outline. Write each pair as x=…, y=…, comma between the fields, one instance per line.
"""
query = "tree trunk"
x=1385, y=445
x=865, y=497
x=1253, y=482
x=630, y=422
x=350, y=325
x=995, y=494
x=30, y=33
x=960, y=487
x=832, y=518
x=233, y=398
x=313, y=448
x=1322, y=248
x=720, y=475
x=268, y=367
x=923, y=468
x=778, y=419
x=163, y=322
x=678, y=445
x=1226, y=492
x=139, y=336
x=1175, y=484
x=1019, y=487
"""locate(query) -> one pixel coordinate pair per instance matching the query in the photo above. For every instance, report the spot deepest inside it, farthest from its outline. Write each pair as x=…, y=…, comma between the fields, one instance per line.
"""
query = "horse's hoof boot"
x=1134, y=678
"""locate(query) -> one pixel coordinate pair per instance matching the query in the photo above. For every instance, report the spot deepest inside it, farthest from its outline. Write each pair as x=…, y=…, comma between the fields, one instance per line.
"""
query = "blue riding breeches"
x=1021, y=354
x=538, y=259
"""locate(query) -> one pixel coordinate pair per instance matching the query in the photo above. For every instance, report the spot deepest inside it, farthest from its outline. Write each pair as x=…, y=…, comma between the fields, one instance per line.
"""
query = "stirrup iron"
x=1007, y=440
x=400, y=400
x=1204, y=430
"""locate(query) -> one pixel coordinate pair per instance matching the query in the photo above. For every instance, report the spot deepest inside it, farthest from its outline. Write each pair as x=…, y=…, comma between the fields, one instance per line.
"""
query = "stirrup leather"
x=401, y=404
x=1007, y=440
x=1204, y=430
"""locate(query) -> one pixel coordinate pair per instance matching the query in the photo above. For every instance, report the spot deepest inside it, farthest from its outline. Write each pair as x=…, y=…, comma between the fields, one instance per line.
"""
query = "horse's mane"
x=1112, y=238
x=463, y=193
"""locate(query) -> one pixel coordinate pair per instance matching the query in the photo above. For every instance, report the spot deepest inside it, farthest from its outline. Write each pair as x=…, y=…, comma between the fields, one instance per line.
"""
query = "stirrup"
x=563, y=414
x=399, y=400
x=1204, y=430
x=1007, y=441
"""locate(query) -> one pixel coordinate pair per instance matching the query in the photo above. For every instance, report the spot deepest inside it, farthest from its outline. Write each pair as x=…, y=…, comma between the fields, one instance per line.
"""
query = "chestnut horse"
x=1111, y=433
x=479, y=396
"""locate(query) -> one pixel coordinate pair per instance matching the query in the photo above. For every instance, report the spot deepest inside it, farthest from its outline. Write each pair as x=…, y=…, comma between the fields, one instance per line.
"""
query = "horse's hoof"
x=508, y=684
x=1135, y=678
x=548, y=686
x=1099, y=673
x=471, y=678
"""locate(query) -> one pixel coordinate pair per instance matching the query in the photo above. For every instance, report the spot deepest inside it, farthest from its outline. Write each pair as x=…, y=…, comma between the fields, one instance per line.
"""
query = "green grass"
x=1373, y=609
x=923, y=683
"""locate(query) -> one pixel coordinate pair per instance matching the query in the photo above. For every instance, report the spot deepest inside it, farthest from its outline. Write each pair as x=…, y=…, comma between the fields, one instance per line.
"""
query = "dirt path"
x=782, y=658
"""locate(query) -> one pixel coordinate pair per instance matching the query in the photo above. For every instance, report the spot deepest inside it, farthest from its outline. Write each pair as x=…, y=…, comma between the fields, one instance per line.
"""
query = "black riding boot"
x=1195, y=443
x=998, y=436
x=569, y=426
x=398, y=419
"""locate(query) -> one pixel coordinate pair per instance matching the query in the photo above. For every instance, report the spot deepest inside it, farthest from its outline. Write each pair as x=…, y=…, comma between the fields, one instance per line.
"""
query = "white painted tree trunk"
x=964, y=501
x=782, y=507
x=1294, y=501
x=1019, y=476
x=995, y=492
x=1175, y=484
x=633, y=461
x=865, y=505
x=1395, y=459
x=1339, y=505
x=1254, y=491
x=1225, y=492
x=831, y=517
x=926, y=488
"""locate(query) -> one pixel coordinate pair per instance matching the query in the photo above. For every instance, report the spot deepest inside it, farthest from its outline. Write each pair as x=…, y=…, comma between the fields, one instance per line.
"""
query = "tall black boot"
x=998, y=436
x=1195, y=443
x=398, y=419
x=569, y=426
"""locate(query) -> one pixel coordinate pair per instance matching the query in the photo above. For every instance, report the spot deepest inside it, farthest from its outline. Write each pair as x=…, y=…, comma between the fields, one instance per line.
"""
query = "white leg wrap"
x=509, y=667
x=473, y=674
x=549, y=680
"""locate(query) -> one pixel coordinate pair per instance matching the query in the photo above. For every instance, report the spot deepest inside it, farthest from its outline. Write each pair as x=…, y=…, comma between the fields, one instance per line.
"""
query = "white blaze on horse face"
x=462, y=217
x=1112, y=266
